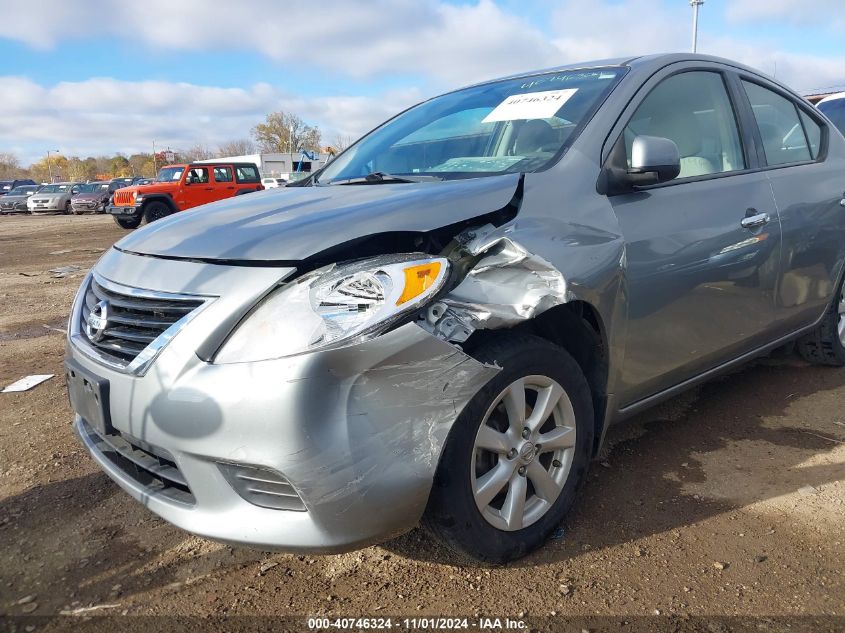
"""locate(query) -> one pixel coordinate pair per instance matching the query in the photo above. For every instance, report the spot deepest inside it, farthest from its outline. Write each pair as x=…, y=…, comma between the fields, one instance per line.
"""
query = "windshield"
x=54, y=188
x=835, y=111
x=23, y=191
x=169, y=174
x=92, y=187
x=515, y=125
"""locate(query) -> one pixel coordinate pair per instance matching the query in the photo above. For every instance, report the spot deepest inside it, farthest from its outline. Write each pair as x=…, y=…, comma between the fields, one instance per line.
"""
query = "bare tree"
x=341, y=142
x=236, y=147
x=10, y=166
x=197, y=152
x=285, y=132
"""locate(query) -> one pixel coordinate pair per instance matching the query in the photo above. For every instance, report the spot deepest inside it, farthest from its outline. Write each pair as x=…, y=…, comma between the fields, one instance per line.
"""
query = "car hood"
x=8, y=198
x=48, y=196
x=294, y=223
x=90, y=196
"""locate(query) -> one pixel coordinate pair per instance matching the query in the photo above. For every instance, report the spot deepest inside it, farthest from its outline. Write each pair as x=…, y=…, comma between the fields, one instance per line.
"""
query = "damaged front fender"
x=507, y=285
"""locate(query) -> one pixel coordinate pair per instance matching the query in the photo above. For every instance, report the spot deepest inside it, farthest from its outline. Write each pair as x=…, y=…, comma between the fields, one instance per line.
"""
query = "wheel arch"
x=578, y=327
x=159, y=197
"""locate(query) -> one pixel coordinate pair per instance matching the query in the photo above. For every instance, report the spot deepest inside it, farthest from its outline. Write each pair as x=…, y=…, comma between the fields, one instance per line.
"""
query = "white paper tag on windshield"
x=531, y=105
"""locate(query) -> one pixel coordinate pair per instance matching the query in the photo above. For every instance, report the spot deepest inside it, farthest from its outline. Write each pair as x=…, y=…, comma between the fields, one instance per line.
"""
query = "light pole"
x=695, y=4
x=49, y=166
x=290, y=141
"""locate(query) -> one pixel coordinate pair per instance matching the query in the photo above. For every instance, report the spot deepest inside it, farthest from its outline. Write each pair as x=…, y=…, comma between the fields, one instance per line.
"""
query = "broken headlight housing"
x=335, y=306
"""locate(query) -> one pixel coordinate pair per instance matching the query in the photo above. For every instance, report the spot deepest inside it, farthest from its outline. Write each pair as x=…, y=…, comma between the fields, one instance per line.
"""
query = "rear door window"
x=223, y=174
x=247, y=173
x=781, y=130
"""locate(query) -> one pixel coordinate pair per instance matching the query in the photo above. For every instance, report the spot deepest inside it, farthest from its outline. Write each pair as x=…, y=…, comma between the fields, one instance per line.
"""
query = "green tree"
x=80, y=170
x=42, y=170
x=119, y=166
x=286, y=132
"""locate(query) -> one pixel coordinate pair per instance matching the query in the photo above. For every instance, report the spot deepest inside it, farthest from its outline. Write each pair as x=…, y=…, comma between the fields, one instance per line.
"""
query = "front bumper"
x=124, y=210
x=356, y=431
x=54, y=206
x=18, y=207
x=88, y=207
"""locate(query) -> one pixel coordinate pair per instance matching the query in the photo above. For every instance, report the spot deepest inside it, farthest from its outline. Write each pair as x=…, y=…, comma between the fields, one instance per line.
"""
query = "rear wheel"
x=156, y=211
x=826, y=344
x=516, y=455
x=131, y=222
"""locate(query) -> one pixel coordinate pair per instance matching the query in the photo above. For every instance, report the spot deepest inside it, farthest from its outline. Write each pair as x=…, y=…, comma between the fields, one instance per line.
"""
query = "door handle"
x=758, y=219
x=209, y=188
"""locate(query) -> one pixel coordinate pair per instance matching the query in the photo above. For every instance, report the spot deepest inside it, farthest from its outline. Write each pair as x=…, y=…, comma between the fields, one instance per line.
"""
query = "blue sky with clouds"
x=99, y=76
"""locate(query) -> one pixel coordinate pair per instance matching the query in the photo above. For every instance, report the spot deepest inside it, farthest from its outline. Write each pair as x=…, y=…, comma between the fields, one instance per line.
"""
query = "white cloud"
x=433, y=43
x=452, y=44
x=820, y=12
x=101, y=115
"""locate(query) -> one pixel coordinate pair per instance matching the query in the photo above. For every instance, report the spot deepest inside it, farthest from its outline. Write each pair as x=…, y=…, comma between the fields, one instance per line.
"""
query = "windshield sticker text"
x=532, y=105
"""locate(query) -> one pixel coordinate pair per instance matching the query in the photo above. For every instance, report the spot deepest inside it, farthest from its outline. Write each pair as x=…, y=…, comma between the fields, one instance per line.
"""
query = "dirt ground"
x=726, y=501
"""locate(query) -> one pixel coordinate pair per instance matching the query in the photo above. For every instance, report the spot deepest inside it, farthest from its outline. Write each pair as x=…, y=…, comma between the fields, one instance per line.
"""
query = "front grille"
x=153, y=468
x=41, y=201
x=122, y=198
x=129, y=321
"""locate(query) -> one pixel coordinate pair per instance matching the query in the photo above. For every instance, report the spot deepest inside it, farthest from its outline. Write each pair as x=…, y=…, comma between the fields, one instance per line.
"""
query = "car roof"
x=836, y=97
x=645, y=62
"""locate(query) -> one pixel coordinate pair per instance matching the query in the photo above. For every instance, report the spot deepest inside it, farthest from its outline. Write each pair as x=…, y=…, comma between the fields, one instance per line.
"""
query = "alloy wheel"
x=523, y=453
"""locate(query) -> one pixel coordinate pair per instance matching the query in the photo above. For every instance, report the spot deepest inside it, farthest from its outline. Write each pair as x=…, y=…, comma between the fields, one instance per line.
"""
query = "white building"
x=278, y=165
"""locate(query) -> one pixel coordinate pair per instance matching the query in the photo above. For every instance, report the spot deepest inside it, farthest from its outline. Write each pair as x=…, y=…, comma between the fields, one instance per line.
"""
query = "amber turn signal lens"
x=418, y=279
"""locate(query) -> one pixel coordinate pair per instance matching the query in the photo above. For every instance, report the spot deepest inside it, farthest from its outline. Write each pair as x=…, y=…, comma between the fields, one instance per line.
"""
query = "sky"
x=93, y=77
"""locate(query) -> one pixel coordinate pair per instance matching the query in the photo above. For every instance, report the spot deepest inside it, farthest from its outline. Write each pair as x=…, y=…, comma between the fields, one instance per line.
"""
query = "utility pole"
x=49, y=165
x=695, y=4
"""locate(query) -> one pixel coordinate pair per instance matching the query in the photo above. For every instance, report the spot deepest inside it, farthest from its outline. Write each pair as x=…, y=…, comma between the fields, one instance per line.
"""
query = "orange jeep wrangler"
x=181, y=187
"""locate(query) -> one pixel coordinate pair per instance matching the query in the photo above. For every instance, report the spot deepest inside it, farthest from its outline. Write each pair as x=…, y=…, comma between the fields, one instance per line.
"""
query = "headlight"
x=138, y=198
x=335, y=306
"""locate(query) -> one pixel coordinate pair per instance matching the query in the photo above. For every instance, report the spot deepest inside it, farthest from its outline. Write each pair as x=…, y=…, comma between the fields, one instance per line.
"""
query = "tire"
x=469, y=525
x=824, y=345
x=128, y=223
x=156, y=210
x=67, y=207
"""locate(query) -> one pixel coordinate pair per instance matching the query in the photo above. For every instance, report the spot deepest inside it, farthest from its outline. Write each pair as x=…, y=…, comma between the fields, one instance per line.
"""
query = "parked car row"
x=63, y=197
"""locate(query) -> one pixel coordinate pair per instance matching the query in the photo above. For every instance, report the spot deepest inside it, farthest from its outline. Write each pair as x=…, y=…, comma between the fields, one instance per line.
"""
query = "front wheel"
x=155, y=211
x=131, y=222
x=67, y=207
x=516, y=455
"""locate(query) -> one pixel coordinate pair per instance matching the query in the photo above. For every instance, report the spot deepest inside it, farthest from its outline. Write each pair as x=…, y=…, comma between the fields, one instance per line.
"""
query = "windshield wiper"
x=379, y=177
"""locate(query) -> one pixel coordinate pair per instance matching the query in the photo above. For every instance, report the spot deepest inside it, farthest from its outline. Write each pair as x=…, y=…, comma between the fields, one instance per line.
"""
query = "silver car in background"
x=53, y=198
x=443, y=322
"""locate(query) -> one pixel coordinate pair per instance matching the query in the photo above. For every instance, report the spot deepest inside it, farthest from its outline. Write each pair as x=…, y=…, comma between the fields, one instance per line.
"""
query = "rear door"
x=703, y=250
x=224, y=181
x=804, y=163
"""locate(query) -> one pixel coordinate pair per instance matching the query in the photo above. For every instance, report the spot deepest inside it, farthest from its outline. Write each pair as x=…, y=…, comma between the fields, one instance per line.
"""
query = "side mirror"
x=654, y=159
